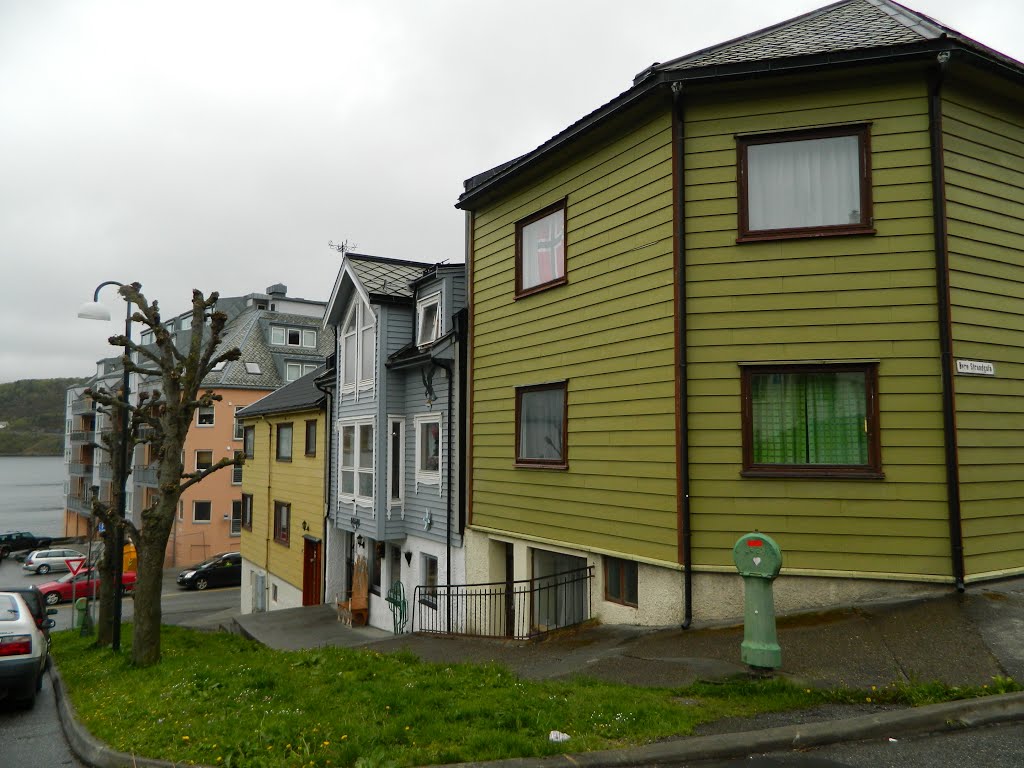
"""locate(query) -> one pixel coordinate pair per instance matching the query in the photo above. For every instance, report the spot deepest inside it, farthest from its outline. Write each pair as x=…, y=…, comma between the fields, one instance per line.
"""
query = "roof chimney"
x=277, y=290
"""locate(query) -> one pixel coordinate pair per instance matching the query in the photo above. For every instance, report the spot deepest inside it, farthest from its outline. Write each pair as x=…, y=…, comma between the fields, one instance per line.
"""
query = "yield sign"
x=75, y=564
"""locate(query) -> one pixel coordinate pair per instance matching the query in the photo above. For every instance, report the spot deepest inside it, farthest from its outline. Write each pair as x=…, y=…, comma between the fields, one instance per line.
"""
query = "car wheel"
x=52, y=598
x=43, y=569
x=202, y=583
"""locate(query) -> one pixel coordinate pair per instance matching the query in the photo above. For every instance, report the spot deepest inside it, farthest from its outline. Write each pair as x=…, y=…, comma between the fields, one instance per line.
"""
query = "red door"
x=311, y=572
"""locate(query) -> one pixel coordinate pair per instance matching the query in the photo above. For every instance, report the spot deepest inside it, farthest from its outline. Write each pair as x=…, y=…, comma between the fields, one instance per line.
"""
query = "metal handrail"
x=520, y=609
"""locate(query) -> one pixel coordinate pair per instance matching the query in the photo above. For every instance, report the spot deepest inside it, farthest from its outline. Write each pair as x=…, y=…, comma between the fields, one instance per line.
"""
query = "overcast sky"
x=221, y=145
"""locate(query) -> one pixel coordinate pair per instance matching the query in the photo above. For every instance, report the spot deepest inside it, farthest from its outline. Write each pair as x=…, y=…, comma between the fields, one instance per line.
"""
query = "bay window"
x=356, y=461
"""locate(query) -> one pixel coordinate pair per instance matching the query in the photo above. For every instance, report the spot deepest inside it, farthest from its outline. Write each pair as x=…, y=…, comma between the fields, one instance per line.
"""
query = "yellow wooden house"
x=285, y=442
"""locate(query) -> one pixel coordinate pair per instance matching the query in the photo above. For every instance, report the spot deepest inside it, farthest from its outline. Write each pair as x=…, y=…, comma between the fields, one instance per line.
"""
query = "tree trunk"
x=105, y=620
x=156, y=530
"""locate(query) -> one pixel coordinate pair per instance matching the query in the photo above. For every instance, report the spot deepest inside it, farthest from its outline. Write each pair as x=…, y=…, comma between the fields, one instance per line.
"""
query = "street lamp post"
x=93, y=310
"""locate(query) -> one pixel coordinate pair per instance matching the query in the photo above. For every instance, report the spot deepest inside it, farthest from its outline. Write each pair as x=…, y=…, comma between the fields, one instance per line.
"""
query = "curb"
x=87, y=747
x=934, y=718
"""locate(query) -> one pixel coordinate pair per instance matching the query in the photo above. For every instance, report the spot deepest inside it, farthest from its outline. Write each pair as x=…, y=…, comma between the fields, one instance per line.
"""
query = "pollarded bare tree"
x=160, y=416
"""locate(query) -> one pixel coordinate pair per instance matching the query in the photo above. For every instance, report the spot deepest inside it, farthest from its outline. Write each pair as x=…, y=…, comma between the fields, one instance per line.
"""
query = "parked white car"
x=23, y=652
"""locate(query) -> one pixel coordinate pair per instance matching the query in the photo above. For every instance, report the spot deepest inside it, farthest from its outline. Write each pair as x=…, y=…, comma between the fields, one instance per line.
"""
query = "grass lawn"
x=218, y=699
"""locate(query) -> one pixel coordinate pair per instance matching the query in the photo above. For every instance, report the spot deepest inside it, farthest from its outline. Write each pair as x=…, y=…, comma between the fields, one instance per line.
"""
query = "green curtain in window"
x=808, y=418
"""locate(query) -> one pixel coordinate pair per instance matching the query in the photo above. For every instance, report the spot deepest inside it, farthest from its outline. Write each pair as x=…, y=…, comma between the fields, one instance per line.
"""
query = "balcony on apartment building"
x=83, y=405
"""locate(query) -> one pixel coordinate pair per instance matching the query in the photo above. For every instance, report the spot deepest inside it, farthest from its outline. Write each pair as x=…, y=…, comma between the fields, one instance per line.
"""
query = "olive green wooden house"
x=777, y=285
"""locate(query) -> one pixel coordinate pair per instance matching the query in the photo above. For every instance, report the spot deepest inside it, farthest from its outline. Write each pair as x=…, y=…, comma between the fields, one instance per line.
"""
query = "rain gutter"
x=943, y=302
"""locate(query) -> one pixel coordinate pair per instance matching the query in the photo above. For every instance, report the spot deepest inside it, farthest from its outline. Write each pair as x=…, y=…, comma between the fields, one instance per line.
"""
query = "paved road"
x=34, y=737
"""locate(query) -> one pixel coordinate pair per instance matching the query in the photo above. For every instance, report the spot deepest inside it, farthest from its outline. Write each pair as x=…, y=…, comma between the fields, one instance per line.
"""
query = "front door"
x=311, y=572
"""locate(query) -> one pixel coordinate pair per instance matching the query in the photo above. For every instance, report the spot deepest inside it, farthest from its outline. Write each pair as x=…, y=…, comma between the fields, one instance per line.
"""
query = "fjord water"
x=32, y=494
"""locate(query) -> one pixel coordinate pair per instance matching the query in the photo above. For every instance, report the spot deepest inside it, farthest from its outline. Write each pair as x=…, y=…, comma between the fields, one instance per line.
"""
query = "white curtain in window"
x=540, y=428
x=809, y=183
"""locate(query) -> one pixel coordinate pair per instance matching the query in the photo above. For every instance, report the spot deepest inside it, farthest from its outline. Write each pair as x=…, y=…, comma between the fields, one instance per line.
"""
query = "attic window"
x=428, y=322
x=805, y=183
x=220, y=366
x=253, y=368
x=293, y=337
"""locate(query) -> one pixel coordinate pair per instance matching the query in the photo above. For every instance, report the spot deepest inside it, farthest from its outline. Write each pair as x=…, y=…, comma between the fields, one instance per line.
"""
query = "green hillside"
x=34, y=412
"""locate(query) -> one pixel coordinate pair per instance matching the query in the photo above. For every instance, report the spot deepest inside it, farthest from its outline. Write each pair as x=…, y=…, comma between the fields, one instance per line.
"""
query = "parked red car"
x=84, y=584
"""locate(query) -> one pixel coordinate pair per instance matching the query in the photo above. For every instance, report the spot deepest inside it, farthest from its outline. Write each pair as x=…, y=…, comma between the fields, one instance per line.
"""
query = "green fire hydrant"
x=759, y=560
x=82, y=617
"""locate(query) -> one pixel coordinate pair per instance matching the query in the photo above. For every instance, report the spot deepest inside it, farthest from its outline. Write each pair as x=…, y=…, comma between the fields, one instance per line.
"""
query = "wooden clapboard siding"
x=866, y=297
x=299, y=482
x=983, y=137
x=609, y=332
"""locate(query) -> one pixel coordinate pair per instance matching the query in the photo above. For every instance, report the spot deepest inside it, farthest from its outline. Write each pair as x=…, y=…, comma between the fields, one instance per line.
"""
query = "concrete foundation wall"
x=717, y=597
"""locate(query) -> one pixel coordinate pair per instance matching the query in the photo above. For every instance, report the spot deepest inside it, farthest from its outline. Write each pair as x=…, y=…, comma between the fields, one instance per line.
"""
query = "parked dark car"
x=223, y=570
x=37, y=604
x=13, y=541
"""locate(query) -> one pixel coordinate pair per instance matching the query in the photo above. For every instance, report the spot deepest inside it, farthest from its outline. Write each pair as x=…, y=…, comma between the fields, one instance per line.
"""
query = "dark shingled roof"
x=299, y=395
x=841, y=33
x=386, y=277
x=844, y=26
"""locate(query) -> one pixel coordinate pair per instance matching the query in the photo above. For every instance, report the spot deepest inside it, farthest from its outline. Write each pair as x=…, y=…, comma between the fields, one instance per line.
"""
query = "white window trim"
x=278, y=335
x=421, y=308
x=239, y=429
x=400, y=501
x=358, y=384
x=429, y=477
x=196, y=461
x=213, y=414
x=312, y=332
x=287, y=369
x=354, y=497
x=202, y=522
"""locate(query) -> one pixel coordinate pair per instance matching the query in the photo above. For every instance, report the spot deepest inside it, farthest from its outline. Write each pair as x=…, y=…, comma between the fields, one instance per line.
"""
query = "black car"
x=13, y=541
x=223, y=570
x=37, y=605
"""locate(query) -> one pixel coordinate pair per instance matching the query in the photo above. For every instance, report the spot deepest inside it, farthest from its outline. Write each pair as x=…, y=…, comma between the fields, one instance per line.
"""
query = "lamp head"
x=93, y=310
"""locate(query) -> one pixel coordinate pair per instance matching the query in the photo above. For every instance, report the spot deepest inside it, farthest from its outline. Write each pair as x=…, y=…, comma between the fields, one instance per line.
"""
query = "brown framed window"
x=541, y=425
x=620, y=581
x=284, y=442
x=247, y=511
x=311, y=438
x=805, y=183
x=540, y=250
x=282, y=521
x=811, y=420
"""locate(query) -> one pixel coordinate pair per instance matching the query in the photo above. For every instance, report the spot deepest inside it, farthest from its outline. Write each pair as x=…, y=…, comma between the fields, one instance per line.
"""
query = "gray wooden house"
x=395, y=491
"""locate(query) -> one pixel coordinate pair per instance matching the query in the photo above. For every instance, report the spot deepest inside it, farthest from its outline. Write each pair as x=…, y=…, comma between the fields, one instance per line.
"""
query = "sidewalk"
x=957, y=639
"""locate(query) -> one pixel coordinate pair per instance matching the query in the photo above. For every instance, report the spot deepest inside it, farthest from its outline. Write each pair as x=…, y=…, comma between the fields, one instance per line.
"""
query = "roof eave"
x=659, y=78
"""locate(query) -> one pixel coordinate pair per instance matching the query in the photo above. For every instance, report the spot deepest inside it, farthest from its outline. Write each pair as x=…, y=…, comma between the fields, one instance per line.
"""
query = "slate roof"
x=843, y=26
x=843, y=32
x=250, y=333
x=299, y=395
x=387, y=278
